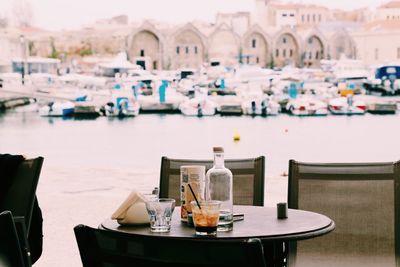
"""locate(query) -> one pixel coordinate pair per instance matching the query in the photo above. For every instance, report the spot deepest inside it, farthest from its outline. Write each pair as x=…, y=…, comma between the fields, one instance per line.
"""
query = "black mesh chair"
x=364, y=201
x=248, y=178
x=20, y=198
x=100, y=247
x=10, y=249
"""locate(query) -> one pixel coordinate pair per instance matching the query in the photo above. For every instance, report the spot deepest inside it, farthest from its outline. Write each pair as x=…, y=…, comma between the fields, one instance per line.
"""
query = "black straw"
x=195, y=198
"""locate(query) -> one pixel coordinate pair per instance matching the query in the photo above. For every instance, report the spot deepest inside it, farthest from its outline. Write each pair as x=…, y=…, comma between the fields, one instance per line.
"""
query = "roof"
x=392, y=4
x=31, y=29
x=382, y=25
x=285, y=5
x=289, y=5
x=38, y=60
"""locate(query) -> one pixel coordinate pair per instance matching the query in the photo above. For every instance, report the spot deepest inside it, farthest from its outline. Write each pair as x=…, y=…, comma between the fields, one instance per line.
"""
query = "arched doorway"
x=286, y=50
x=146, y=46
x=342, y=44
x=255, y=50
x=188, y=50
x=313, y=52
x=224, y=47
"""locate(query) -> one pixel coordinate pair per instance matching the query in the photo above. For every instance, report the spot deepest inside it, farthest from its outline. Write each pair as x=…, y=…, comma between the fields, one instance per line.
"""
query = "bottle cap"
x=218, y=149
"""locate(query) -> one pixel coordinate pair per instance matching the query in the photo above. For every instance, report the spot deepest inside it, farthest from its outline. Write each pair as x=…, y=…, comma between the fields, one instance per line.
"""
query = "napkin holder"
x=132, y=211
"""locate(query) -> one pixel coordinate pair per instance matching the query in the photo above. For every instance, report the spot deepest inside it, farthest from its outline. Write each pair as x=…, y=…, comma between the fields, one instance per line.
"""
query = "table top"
x=259, y=222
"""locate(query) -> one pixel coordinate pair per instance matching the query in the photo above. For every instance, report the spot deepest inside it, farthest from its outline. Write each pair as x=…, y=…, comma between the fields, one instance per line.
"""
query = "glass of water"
x=160, y=213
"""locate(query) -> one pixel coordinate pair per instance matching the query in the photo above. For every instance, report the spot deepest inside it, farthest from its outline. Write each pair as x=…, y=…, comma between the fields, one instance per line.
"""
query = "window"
x=319, y=17
x=284, y=40
x=195, y=50
x=310, y=40
x=177, y=50
x=302, y=18
x=142, y=52
x=316, y=55
x=257, y=60
x=310, y=55
x=283, y=15
x=253, y=43
x=313, y=17
x=292, y=15
x=187, y=50
x=398, y=52
x=284, y=53
x=308, y=17
x=291, y=53
x=277, y=52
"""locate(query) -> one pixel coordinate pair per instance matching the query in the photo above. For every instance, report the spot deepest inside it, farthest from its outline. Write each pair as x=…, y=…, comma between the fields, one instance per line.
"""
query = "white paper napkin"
x=132, y=210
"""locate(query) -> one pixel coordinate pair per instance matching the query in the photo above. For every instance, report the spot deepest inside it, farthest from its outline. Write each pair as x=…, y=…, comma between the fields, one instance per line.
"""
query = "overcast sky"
x=69, y=14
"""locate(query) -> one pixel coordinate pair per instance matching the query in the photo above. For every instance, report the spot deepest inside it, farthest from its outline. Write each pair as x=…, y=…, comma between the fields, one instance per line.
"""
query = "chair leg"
x=275, y=254
x=22, y=236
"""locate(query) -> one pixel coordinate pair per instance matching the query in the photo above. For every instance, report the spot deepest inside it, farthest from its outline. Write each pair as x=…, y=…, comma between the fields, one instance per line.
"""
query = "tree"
x=271, y=62
x=240, y=55
x=23, y=13
x=32, y=48
x=86, y=50
x=54, y=52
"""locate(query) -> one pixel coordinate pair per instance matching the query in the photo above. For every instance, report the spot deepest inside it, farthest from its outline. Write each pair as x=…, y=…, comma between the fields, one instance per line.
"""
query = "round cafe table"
x=259, y=222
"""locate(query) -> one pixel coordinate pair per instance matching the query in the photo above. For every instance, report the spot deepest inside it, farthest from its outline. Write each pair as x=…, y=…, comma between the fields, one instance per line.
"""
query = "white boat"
x=347, y=106
x=122, y=103
x=349, y=69
x=198, y=107
x=57, y=109
x=307, y=106
x=168, y=101
x=121, y=107
x=228, y=104
x=260, y=106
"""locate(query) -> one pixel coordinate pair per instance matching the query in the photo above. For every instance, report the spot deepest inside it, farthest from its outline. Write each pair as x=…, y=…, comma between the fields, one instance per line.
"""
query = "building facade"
x=274, y=35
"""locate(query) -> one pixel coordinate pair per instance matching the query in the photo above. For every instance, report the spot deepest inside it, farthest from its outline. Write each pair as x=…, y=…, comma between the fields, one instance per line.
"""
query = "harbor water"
x=91, y=165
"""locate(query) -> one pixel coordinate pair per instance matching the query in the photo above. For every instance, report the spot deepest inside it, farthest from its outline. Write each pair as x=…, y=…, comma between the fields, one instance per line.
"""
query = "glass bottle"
x=219, y=187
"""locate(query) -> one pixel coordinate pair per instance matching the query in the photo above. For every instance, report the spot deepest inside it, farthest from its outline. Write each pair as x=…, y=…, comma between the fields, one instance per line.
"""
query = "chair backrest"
x=248, y=178
x=20, y=197
x=10, y=250
x=364, y=201
x=100, y=247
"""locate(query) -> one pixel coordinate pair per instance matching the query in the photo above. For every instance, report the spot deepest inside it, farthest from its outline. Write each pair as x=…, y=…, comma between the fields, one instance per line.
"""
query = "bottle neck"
x=219, y=160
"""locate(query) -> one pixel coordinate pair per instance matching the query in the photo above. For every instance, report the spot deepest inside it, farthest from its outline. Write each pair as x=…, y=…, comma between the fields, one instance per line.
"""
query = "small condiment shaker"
x=282, y=210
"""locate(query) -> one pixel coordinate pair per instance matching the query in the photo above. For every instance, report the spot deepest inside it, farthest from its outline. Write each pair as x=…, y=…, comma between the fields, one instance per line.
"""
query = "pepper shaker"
x=282, y=210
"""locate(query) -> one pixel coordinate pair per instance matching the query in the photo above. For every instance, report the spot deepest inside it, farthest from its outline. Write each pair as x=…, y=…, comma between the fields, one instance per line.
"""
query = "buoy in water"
x=236, y=137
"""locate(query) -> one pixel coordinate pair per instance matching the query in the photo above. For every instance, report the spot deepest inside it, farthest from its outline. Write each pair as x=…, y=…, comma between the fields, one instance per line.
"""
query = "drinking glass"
x=160, y=214
x=206, y=217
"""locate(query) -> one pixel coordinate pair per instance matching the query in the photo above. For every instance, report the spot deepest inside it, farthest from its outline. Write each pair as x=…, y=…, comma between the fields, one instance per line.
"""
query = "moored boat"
x=260, y=107
x=307, y=106
x=198, y=107
x=347, y=106
x=57, y=109
x=386, y=81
